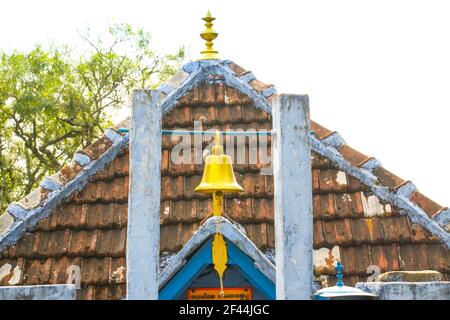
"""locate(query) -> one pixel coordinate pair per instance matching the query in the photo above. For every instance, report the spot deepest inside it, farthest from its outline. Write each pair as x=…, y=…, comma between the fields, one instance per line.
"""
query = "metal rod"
x=211, y=132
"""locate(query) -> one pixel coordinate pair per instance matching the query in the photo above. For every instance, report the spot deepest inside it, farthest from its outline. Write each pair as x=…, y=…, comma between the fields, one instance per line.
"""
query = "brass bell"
x=218, y=177
x=218, y=174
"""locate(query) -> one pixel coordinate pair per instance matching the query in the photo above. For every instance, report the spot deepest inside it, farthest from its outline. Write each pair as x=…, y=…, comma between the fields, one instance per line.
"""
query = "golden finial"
x=209, y=34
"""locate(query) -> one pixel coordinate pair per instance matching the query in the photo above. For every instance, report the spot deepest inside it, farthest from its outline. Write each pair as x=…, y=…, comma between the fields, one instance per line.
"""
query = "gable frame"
x=211, y=71
x=229, y=231
x=203, y=258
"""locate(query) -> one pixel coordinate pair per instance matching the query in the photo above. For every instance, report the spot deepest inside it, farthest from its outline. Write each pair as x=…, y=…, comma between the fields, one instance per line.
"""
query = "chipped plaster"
x=15, y=279
x=5, y=270
x=372, y=206
x=326, y=258
x=333, y=140
x=81, y=159
x=118, y=275
x=6, y=220
x=341, y=178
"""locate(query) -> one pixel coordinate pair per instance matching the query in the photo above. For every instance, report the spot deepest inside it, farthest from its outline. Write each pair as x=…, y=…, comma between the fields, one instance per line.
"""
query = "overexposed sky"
x=378, y=72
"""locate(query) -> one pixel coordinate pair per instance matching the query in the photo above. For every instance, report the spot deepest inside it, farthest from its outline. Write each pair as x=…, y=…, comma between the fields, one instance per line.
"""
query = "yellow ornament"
x=219, y=257
x=209, y=34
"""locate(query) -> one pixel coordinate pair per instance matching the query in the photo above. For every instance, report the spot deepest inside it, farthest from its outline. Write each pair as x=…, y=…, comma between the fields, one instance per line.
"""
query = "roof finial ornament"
x=339, y=268
x=209, y=34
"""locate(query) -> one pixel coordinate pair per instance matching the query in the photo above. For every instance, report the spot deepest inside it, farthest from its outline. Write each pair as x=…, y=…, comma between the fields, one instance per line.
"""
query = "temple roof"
x=364, y=215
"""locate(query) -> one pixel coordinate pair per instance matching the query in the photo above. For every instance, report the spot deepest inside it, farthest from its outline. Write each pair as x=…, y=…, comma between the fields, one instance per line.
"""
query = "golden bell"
x=218, y=174
x=218, y=177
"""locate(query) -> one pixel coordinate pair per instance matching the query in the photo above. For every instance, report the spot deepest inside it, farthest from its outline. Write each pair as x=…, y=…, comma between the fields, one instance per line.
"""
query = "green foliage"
x=54, y=101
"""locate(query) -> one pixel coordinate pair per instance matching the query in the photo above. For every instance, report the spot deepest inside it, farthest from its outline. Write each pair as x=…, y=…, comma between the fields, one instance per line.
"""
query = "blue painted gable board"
x=247, y=267
x=202, y=258
x=190, y=271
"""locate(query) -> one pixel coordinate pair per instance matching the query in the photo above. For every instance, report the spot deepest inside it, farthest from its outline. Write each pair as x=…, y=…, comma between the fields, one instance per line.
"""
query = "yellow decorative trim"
x=219, y=257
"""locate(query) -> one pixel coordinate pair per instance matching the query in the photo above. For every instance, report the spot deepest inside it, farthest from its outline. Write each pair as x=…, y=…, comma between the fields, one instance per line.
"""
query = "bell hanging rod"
x=212, y=132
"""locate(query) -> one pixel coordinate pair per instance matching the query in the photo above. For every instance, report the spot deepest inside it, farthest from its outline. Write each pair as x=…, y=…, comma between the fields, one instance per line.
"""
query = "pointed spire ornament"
x=209, y=34
x=339, y=268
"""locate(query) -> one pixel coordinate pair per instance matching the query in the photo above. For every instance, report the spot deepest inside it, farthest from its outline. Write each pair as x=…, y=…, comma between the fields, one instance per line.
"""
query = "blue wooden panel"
x=233, y=278
x=189, y=272
x=247, y=267
x=202, y=258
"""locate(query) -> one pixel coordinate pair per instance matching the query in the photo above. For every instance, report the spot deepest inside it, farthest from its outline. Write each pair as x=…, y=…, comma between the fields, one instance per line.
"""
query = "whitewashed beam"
x=143, y=232
x=293, y=197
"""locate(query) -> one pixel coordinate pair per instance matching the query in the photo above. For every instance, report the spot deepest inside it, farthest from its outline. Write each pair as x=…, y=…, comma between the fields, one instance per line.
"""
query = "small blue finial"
x=339, y=268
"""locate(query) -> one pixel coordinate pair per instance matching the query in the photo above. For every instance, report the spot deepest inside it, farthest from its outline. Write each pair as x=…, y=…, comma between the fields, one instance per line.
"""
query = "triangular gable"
x=196, y=254
x=212, y=71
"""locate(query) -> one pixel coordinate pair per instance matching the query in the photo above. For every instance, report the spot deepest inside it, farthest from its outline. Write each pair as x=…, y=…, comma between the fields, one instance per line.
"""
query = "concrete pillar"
x=144, y=197
x=293, y=197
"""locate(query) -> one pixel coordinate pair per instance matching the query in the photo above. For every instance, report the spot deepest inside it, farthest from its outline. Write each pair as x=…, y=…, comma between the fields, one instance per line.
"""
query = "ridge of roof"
x=39, y=203
x=230, y=231
x=211, y=71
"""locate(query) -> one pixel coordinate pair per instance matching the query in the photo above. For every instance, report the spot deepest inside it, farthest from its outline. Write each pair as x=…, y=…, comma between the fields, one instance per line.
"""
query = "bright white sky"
x=378, y=72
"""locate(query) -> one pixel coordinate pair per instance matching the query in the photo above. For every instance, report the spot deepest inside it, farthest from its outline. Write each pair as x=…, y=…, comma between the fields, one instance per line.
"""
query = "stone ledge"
x=410, y=276
x=407, y=290
x=44, y=292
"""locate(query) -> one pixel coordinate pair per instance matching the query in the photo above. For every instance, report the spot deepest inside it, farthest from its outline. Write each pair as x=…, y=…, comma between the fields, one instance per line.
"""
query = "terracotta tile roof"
x=363, y=214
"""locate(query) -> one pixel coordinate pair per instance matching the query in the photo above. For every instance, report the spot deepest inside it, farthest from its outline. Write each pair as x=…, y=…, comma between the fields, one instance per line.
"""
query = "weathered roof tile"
x=37, y=272
x=429, y=206
x=438, y=257
x=97, y=148
x=419, y=234
x=104, y=243
x=58, y=243
x=385, y=257
x=362, y=259
x=23, y=248
x=351, y=155
x=320, y=132
x=387, y=178
x=395, y=229
x=238, y=70
x=69, y=171
x=407, y=257
x=327, y=206
x=95, y=271
x=318, y=238
x=58, y=270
